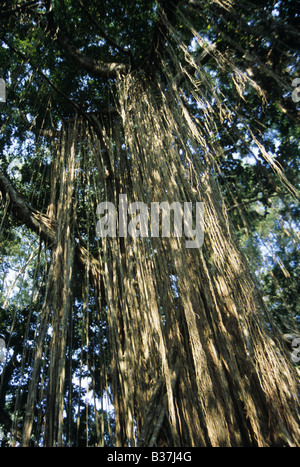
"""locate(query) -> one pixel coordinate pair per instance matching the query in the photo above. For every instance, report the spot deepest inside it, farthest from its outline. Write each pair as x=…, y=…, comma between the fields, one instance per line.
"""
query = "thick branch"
x=22, y=211
x=44, y=227
x=95, y=67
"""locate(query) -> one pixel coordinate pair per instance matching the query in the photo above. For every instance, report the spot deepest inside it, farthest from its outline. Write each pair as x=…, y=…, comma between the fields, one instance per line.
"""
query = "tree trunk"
x=196, y=363
x=194, y=358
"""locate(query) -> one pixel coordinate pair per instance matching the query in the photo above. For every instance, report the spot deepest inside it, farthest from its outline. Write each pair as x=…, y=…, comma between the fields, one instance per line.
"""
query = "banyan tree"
x=138, y=339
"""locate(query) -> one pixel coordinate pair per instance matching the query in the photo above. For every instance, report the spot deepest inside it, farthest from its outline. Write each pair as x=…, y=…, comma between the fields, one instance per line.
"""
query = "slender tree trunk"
x=63, y=260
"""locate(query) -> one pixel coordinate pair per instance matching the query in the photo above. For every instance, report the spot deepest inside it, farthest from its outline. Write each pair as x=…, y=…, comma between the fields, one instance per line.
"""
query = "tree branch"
x=5, y=14
x=21, y=210
x=109, y=41
x=40, y=73
x=42, y=225
x=95, y=67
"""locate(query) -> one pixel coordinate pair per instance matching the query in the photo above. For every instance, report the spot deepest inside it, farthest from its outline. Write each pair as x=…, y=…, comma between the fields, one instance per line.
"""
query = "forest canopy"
x=140, y=341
